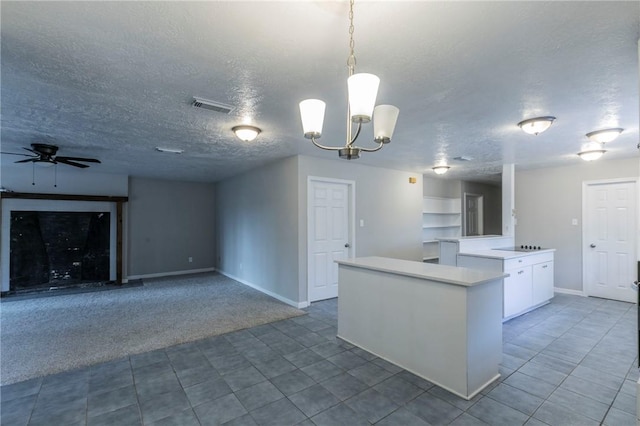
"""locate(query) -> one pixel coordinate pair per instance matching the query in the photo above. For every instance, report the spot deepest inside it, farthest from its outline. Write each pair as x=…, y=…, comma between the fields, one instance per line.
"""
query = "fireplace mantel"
x=118, y=200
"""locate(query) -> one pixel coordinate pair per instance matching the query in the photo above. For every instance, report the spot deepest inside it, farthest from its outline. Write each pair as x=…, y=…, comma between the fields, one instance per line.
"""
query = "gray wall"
x=439, y=187
x=257, y=228
x=390, y=206
x=169, y=222
x=491, y=205
x=546, y=202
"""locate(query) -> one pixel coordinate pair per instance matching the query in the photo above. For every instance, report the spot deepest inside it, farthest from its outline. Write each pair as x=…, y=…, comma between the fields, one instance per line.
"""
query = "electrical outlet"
x=574, y=222
x=190, y=259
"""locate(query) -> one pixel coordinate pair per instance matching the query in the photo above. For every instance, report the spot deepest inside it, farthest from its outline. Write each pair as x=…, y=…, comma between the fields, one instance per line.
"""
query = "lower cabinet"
x=542, y=282
x=530, y=280
x=517, y=291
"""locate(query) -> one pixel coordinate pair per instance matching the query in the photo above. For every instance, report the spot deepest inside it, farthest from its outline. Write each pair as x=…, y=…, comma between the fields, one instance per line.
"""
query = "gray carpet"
x=43, y=336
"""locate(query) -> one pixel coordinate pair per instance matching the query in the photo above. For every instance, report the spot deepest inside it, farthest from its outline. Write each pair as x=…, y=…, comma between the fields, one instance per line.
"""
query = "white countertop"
x=427, y=271
x=474, y=237
x=503, y=254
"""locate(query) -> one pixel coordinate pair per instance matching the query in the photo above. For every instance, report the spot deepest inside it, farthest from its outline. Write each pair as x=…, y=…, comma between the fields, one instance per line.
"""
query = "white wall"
x=257, y=228
x=390, y=206
x=440, y=187
x=170, y=221
x=546, y=202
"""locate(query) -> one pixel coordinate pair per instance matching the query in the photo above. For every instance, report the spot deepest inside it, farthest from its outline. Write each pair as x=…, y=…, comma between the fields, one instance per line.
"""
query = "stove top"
x=524, y=248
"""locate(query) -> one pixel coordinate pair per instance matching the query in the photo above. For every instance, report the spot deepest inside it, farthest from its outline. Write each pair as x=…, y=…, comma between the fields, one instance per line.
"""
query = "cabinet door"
x=542, y=282
x=517, y=291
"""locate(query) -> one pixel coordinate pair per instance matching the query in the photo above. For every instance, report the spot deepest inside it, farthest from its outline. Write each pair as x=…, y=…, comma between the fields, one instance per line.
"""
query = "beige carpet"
x=43, y=336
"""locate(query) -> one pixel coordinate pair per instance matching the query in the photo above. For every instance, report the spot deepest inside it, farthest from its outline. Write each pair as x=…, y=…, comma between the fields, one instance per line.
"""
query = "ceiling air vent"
x=211, y=105
x=462, y=158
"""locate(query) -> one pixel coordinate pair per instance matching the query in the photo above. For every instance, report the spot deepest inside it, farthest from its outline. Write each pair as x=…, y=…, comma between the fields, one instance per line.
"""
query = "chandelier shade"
x=312, y=116
x=384, y=122
x=363, y=90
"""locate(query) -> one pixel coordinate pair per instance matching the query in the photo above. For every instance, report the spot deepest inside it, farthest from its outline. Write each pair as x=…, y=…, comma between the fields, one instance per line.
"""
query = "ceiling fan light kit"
x=535, y=126
x=362, y=90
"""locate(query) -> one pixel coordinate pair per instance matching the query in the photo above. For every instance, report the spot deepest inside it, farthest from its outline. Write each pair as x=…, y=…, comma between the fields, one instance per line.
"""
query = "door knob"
x=592, y=245
x=347, y=245
x=634, y=285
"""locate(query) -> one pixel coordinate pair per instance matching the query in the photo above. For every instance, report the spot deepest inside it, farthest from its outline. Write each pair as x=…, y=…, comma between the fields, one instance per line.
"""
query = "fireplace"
x=58, y=240
x=58, y=249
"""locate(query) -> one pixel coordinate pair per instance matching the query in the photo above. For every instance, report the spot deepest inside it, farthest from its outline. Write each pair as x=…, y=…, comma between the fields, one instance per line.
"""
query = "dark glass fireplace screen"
x=53, y=249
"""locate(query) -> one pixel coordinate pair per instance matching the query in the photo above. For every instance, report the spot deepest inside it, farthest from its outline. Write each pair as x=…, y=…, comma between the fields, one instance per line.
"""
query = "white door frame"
x=585, y=185
x=351, y=202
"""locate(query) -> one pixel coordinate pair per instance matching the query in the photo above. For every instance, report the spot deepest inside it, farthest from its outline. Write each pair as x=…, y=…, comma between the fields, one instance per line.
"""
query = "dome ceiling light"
x=246, y=133
x=440, y=170
x=362, y=93
x=535, y=126
x=592, y=154
x=605, y=135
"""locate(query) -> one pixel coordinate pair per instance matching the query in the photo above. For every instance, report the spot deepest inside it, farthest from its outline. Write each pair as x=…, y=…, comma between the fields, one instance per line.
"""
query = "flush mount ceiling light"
x=592, y=154
x=605, y=135
x=440, y=170
x=246, y=133
x=534, y=126
x=362, y=92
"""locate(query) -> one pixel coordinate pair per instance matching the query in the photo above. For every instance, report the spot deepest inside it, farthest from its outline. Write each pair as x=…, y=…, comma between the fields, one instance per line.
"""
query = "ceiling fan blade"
x=87, y=160
x=68, y=162
x=26, y=160
x=15, y=153
x=31, y=150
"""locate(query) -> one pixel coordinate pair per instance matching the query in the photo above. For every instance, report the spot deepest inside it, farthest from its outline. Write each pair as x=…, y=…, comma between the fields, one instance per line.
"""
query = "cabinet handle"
x=544, y=266
x=520, y=272
x=519, y=260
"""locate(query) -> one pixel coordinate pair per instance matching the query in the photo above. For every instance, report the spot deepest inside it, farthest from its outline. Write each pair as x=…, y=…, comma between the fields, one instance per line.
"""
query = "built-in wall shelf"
x=441, y=218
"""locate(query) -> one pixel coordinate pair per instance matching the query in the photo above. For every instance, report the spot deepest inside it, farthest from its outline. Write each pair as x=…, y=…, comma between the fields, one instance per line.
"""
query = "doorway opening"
x=473, y=221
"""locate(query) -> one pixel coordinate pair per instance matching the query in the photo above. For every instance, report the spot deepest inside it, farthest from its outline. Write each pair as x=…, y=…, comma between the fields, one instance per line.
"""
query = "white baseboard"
x=290, y=302
x=168, y=274
x=568, y=291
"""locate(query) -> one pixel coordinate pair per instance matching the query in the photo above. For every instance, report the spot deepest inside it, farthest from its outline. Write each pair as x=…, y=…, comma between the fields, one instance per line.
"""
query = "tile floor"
x=572, y=362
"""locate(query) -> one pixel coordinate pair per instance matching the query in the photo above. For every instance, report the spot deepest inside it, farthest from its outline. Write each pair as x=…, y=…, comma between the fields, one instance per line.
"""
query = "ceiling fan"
x=45, y=153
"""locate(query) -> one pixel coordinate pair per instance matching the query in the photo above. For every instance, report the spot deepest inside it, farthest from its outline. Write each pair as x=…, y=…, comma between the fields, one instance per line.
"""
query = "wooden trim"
x=64, y=197
x=119, y=242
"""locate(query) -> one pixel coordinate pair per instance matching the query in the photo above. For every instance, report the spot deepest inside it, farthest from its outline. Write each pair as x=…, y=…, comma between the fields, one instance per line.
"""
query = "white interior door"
x=328, y=236
x=609, y=238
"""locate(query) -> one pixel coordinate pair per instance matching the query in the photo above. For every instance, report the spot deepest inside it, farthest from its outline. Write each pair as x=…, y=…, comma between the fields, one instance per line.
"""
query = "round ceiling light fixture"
x=592, y=154
x=246, y=133
x=604, y=135
x=440, y=170
x=535, y=126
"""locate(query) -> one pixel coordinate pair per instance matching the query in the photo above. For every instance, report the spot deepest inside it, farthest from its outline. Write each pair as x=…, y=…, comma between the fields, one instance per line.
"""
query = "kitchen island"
x=442, y=323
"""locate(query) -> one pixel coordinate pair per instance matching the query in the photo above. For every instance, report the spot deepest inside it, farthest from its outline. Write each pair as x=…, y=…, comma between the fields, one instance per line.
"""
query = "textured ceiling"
x=113, y=80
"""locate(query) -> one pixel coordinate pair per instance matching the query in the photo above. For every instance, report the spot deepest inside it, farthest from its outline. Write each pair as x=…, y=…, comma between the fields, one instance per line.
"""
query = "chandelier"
x=362, y=91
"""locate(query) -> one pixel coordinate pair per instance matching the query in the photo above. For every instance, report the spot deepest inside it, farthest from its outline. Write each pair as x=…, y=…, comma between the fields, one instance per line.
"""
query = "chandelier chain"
x=351, y=62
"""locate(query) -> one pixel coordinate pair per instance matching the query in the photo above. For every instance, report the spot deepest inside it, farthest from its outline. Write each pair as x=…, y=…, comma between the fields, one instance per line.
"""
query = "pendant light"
x=362, y=93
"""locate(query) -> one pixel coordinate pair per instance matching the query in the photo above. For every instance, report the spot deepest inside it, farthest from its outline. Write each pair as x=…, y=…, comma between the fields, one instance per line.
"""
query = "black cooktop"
x=525, y=248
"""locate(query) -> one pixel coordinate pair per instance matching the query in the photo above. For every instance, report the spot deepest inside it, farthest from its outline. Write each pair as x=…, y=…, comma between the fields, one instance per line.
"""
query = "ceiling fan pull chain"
x=33, y=173
x=55, y=175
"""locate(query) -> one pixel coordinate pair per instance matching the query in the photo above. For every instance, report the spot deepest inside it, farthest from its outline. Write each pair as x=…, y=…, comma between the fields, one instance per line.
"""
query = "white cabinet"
x=542, y=282
x=517, y=291
x=530, y=280
x=441, y=218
